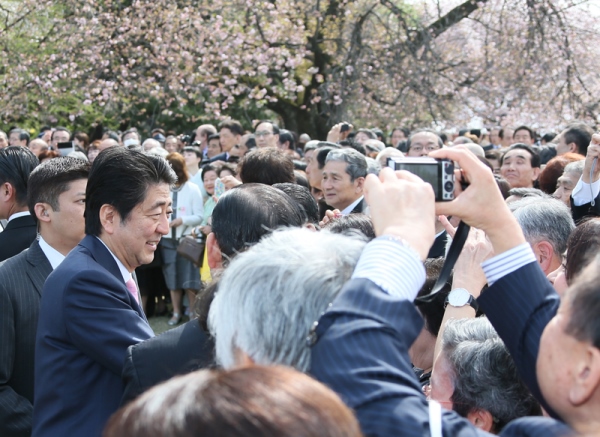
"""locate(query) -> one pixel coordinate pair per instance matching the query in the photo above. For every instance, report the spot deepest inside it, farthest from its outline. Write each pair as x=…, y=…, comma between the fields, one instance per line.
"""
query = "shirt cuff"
x=393, y=266
x=582, y=194
x=507, y=262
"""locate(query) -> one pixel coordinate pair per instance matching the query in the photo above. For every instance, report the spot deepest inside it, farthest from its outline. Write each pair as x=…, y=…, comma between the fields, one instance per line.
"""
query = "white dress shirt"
x=124, y=272
x=350, y=207
x=53, y=255
x=584, y=193
x=18, y=214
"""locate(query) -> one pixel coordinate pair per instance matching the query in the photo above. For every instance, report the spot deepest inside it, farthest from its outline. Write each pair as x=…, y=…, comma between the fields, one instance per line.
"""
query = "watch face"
x=458, y=297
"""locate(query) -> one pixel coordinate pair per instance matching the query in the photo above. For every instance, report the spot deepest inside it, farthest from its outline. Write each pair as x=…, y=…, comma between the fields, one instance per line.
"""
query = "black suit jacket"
x=360, y=207
x=17, y=236
x=21, y=281
x=174, y=352
x=585, y=210
x=439, y=246
x=361, y=352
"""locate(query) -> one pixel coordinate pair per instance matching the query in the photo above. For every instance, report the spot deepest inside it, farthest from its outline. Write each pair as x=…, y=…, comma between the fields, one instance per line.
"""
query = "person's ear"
x=536, y=173
x=586, y=379
x=573, y=148
x=214, y=256
x=544, y=253
x=109, y=218
x=42, y=211
x=360, y=183
x=482, y=419
x=6, y=192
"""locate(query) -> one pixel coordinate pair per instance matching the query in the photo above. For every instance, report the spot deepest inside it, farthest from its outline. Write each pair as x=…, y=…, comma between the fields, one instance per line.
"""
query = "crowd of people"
x=311, y=307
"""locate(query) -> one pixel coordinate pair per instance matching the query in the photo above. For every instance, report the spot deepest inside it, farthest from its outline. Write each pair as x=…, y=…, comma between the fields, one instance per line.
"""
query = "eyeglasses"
x=428, y=148
x=263, y=133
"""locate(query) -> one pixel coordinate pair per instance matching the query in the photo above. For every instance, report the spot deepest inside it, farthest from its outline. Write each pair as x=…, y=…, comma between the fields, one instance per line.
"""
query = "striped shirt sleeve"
x=507, y=262
x=393, y=266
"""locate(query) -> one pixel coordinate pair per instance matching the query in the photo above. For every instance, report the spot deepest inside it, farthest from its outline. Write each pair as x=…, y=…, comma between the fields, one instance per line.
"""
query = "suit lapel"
x=40, y=266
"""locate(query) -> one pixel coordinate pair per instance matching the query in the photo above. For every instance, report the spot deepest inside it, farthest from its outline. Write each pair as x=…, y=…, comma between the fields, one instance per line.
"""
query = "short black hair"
x=266, y=166
x=60, y=129
x=286, y=135
x=247, y=212
x=352, y=224
x=354, y=145
x=305, y=200
x=321, y=154
x=121, y=177
x=535, y=157
x=23, y=134
x=528, y=129
x=16, y=164
x=581, y=135
x=193, y=149
x=213, y=137
x=52, y=178
x=234, y=126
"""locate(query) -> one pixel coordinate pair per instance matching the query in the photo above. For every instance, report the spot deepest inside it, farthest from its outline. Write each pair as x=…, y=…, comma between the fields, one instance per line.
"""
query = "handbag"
x=191, y=249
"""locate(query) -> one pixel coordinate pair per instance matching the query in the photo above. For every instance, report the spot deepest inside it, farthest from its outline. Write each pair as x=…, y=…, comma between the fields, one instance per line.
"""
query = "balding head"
x=38, y=146
x=107, y=143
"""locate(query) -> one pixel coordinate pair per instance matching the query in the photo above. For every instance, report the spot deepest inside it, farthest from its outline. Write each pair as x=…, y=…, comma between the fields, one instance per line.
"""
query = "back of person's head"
x=177, y=163
x=352, y=224
x=286, y=136
x=16, y=164
x=356, y=164
x=253, y=401
x=484, y=374
x=522, y=193
x=432, y=306
x=580, y=134
x=554, y=169
x=351, y=144
x=270, y=296
x=121, y=177
x=373, y=166
x=544, y=219
x=388, y=152
x=246, y=213
x=584, y=300
x=52, y=178
x=266, y=166
x=583, y=245
x=305, y=200
x=503, y=186
x=321, y=154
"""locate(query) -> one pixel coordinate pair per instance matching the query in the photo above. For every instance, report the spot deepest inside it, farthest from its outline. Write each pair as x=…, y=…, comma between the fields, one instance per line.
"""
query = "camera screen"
x=427, y=172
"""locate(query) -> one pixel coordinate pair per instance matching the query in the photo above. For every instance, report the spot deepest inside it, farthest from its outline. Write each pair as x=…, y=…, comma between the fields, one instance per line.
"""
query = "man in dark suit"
x=374, y=314
x=343, y=178
x=16, y=163
x=230, y=134
x=56, y=198
x=89, y=313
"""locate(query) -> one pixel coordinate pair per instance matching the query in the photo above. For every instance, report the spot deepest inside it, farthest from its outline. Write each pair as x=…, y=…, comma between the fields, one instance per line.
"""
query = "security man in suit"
x=16, y=163
x=56, y=199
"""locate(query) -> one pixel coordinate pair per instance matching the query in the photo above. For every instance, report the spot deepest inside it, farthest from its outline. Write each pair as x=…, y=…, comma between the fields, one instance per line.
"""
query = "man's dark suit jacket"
x=585, y=210
x=21, y=281
x=17, y=236
x=439, y=246
x=360, y=207
x=88, y=319
x=361, y=353
x=178, y=351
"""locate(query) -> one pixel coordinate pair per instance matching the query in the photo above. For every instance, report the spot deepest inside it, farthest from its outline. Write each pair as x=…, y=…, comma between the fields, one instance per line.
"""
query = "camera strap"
x=462, y=232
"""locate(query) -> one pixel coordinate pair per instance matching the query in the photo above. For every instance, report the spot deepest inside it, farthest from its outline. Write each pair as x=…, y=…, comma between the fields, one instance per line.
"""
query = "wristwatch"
x=459, y=297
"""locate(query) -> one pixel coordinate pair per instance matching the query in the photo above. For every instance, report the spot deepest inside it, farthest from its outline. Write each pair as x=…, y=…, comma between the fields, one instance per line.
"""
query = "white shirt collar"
x=18, y=214
x=124, y=272
x=350, y=207
x=53, y=255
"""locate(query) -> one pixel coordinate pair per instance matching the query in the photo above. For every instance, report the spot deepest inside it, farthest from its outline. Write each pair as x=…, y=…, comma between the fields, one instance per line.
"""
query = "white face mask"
x=131, y=142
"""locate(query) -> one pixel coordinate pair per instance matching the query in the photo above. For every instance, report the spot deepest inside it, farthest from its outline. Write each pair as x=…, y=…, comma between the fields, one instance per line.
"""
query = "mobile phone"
x=345, y=128
x=437, y=172
x=65, y=148
x=219, y=187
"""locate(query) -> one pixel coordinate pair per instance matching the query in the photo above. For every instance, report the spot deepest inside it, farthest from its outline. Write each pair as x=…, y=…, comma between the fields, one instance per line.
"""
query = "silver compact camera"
x=437, y=172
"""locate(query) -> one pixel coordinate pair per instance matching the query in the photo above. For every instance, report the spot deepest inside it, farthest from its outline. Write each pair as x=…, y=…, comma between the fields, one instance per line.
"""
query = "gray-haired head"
x=373, y=167
x=270, y=296
x=576, y=168
x=356, y=163
x=484, y=374
x=522, y=193
x=544, y=219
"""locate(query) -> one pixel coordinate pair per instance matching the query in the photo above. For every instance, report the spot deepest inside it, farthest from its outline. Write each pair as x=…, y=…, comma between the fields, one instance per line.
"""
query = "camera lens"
x=450, y=168
x=449, y=186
